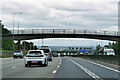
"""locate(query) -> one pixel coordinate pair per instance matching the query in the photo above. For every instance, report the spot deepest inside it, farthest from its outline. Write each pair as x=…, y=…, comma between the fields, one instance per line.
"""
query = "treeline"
x=27, y=46
x=114, y=45
x=8, y=44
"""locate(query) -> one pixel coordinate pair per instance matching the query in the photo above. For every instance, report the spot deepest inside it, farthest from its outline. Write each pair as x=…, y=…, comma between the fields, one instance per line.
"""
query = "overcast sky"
x=62, y=14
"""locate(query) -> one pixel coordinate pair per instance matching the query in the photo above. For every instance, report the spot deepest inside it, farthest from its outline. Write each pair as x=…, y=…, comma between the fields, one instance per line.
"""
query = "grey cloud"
x=73, y=15
x=70, y=9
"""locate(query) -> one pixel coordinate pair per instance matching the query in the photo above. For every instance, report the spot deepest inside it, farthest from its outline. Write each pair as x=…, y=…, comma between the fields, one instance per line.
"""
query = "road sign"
x=83, y=50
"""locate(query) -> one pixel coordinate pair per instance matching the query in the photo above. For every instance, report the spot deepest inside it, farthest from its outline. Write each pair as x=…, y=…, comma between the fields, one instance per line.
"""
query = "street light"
x=42, y=41
x=13, y=25
x=18, y=21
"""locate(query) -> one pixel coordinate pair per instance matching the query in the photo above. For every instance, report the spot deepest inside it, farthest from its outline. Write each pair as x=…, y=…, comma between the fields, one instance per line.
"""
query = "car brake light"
x=41, y=55
x=50, y=53
x=27, y=56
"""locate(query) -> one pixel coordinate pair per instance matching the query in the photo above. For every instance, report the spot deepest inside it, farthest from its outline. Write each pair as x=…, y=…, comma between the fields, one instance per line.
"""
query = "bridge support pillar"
x=18, y=44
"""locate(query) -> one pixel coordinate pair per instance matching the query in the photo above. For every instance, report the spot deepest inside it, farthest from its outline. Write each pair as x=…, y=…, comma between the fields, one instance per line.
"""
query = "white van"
x=109, y=52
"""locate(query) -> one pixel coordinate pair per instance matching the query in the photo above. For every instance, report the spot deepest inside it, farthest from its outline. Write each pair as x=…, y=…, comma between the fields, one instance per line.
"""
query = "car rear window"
x=35, y=52
x=45, y=50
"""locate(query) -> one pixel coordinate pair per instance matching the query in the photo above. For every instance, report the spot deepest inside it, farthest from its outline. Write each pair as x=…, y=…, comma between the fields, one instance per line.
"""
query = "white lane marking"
x=60, y=60
x=58, y=66
x=59, y=63
x=93, y=75
x=102, y=66
x=49, y=77
x=54, y=71
x=105, y=67
x=14, y=67
x=81, y=59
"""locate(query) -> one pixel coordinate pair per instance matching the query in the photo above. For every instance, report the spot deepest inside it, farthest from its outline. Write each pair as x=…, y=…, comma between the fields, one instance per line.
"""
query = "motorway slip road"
x=61, y=68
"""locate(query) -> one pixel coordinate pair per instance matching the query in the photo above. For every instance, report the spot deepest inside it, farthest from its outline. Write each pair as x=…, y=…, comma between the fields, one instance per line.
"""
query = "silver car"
x=18, y=54
x=35, y=57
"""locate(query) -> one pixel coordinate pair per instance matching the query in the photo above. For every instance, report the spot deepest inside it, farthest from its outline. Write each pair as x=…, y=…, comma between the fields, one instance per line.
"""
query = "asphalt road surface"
x=60, y=67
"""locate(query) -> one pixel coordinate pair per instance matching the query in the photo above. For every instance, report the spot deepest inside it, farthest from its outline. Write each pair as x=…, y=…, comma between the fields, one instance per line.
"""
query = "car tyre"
x=45, y=64
x=50, y=59
x=29, y=65
x=21, y=57
x=26, y=65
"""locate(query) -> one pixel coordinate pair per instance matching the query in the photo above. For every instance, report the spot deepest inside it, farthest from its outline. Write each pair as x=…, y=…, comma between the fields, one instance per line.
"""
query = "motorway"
x=60, y=67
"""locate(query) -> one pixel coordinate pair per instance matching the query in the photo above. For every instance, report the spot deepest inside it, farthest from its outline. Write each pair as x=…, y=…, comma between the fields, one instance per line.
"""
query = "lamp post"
x=24, y=45
x=42, y=41
x=18, y=22
x=18, y=27
x=30, y=45
x=13, y=25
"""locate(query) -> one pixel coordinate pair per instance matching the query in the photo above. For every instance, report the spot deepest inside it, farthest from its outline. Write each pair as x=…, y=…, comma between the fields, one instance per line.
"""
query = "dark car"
x=55, y=54
x=48, y=53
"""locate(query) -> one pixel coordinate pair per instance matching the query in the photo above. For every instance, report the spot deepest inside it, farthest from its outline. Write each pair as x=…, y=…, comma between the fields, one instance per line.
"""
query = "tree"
x=28, y=46
x=7, y=44
x=98, y=47
x=116, y=47
x=35, y=47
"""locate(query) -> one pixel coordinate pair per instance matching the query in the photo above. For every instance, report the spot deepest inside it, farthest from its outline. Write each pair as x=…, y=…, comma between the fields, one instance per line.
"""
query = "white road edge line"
x=54, y=71
x=102, y=66
x=105, y=67
x=14, y=67
x=93, y=75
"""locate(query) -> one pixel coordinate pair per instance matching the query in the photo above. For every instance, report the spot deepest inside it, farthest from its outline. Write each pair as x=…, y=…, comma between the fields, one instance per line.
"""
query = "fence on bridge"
x=64, y=31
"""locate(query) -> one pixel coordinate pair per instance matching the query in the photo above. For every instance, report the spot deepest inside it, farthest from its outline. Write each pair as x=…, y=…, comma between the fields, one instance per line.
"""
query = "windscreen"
x=45, y=50
x=110, y=51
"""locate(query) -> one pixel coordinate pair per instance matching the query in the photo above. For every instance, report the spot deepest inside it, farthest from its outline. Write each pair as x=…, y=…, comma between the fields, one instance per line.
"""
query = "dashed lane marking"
x=58, y=66
x=14, y=67
x=54, y=71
